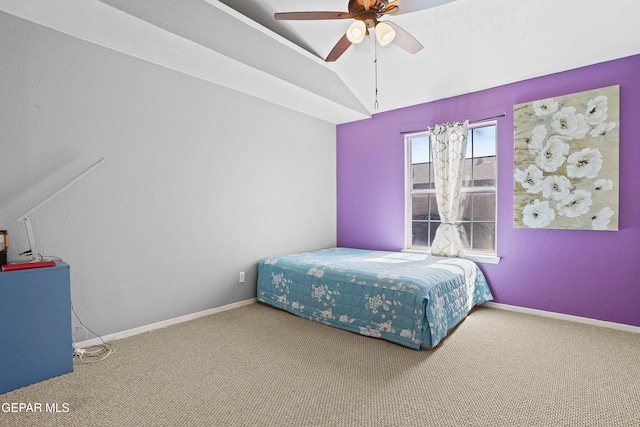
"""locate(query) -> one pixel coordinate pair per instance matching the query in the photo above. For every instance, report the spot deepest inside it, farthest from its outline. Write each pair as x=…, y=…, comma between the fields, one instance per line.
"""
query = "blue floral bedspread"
x=410, y=299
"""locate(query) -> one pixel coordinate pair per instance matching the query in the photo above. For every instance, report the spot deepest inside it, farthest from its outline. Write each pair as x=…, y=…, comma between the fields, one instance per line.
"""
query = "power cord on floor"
x=102, y=351
x=86, y=355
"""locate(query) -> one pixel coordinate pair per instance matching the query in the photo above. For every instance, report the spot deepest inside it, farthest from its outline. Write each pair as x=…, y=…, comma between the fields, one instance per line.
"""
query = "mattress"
x=409, y=299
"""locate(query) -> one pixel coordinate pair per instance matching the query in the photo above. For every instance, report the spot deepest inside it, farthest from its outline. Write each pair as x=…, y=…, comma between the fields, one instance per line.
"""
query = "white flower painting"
x=566, y=161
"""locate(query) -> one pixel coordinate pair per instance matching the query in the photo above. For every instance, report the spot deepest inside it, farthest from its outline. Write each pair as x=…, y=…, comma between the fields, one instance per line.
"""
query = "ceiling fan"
x=367, y=14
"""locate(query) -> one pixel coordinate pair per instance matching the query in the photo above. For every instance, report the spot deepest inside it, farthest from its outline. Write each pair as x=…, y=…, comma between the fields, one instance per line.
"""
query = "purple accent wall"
x=594, y=274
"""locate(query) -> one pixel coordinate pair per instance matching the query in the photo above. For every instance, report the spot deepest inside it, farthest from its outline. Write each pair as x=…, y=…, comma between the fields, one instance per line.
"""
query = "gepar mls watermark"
x=34, y=407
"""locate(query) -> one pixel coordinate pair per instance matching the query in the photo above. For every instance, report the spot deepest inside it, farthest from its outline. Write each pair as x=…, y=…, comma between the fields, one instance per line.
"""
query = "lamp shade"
x=357, y=31
x=384, y=33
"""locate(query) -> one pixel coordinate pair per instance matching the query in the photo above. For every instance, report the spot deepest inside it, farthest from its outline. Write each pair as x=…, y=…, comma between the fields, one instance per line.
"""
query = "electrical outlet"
x=241, y=277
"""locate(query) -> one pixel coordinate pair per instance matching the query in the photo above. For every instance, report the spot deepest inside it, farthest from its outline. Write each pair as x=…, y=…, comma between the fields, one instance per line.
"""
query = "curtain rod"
x=475, y=121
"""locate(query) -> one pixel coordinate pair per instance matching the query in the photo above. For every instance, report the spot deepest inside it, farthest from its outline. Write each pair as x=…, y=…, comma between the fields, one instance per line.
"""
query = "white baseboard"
x=193, y=316
x=163, y=324
x=568, y=317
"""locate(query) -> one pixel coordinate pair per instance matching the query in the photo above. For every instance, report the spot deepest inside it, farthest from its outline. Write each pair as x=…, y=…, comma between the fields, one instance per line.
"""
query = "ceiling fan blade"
x=408, y=6
x=405, y=40
x=391, y=9
x=340, y=47
x=304, y=16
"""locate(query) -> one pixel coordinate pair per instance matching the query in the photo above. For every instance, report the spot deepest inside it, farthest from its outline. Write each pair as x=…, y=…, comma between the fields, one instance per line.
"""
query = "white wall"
x=200, y=182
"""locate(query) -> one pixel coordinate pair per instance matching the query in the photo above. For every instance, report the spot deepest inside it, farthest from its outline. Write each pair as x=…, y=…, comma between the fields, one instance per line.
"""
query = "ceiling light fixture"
x=384, y=33
x=357, y=31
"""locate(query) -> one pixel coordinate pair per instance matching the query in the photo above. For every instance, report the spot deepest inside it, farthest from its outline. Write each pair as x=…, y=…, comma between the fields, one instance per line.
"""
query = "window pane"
x=484, y=172
x=484, y=236
x=465, y=235
x=420, y=234
x=484, y=206
x=433, y=228
x=465, y=207
x=484, y=141
x=420, y=176
x=420, y=149
x=434, y=215
x=467, y=173
x=421, y=173
x=420, y=208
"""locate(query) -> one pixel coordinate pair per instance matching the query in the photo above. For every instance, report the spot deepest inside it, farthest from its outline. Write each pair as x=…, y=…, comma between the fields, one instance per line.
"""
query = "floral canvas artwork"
x=566, y=161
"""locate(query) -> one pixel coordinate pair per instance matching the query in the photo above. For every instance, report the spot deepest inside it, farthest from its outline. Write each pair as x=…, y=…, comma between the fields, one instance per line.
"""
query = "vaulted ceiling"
x=469, y=45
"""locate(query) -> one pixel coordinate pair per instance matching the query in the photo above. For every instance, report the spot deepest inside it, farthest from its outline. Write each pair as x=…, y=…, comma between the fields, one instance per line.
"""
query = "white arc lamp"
x=33, y=250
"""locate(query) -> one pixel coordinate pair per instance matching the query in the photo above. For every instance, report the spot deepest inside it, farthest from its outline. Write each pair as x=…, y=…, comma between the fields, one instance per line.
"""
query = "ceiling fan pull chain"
x=375, y=65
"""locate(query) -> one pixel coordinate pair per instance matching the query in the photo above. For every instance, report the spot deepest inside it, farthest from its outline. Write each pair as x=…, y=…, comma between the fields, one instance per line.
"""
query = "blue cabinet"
x=35, y=326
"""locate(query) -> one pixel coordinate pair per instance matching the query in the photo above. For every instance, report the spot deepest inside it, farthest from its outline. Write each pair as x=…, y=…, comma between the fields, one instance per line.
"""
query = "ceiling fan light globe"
x=356, y=32
x=384, y=33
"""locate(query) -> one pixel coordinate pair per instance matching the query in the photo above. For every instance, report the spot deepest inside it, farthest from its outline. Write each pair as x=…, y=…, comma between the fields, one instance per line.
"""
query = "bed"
x=406, y=298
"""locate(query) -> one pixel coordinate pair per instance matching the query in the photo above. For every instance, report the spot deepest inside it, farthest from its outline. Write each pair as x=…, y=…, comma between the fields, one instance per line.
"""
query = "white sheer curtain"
x=448, y=148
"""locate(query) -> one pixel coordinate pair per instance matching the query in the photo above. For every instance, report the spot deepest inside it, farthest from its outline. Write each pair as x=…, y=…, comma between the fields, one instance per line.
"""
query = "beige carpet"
x=258, y=366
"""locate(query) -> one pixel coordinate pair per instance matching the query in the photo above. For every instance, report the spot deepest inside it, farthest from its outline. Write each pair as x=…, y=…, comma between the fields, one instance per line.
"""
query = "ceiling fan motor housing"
x=369, y=15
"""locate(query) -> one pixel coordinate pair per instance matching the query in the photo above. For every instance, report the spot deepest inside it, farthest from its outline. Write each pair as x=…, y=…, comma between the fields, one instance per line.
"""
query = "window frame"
x=479, y=256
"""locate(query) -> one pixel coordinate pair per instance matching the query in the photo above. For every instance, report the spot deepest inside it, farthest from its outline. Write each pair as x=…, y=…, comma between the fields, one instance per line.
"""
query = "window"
x=477, y=220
